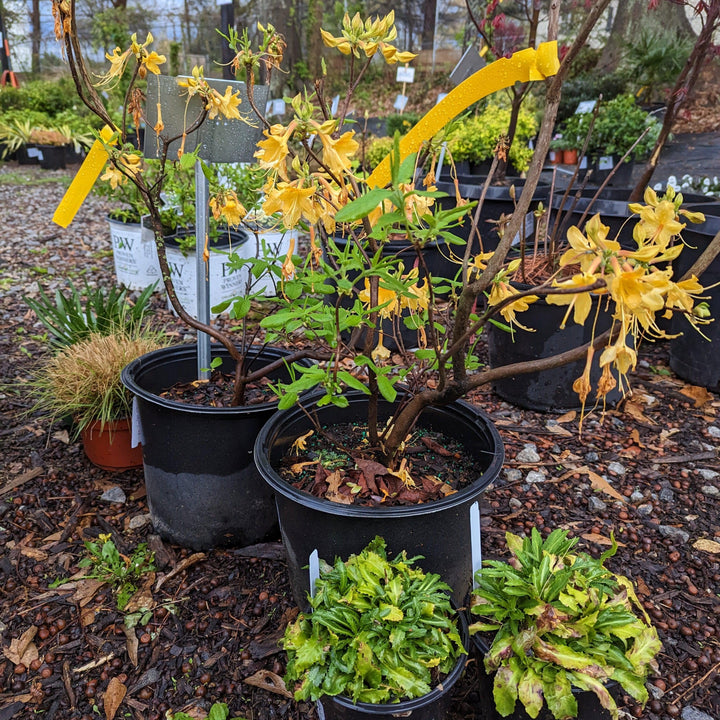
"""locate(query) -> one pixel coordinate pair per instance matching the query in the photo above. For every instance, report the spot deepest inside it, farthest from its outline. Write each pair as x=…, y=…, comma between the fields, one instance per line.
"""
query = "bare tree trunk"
x=35, y=37
x=428, y=28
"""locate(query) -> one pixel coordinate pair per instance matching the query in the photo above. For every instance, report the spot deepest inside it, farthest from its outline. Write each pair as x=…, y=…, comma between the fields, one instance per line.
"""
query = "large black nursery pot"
x=694, y=357
x=578, y=211
x=497, y=203
x=589, y=707
x=549, y=390
x=439, y=530
x=433, y=706
x=202, y=487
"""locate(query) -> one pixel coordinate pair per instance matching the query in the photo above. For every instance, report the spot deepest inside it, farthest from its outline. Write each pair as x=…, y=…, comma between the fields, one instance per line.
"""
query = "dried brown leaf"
x=22, y=649
x=599, y=539
x=142, y=598
x=268, y=681
x=634, y=409
x=132, y=644
x=86, y=589
x=114, y=695
x=699, y=395
x=182, y=565
x=334, y=481
x=707, y=545
x=567, y=417
x=87, y=616
x=599, y=483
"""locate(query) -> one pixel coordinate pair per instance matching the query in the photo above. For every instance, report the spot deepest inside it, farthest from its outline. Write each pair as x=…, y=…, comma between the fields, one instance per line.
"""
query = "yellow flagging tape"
x=523, y=66
x=83, y=182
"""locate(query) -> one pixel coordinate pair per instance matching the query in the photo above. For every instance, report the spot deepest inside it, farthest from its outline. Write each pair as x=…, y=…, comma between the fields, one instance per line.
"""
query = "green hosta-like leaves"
x=377, y=628
x=562, y=619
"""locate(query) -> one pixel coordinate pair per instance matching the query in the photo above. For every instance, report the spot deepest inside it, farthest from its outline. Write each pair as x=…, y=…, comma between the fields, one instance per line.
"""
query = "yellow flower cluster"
x=148, y=60
x=311, y=189
x=358, y=37
x=216, y=103
x=638, y=281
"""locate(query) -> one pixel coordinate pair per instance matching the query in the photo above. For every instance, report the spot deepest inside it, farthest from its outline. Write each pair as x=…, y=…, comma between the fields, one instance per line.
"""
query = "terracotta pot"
x=570, y=157
x=109, y=448
x=555, y=156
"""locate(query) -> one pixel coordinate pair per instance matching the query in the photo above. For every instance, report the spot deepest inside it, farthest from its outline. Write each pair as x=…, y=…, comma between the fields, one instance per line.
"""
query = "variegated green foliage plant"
x=561, y=620
x=377, y=629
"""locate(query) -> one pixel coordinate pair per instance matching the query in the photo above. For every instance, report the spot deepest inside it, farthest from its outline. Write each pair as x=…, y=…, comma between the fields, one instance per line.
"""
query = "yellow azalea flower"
x=337, y=153
x=502, y=290
x=681, y=294
x=274, y=150
x=114, y=176
x=659, y=223
x=288, y=267
x=195, y=82
x=579, y=303
x=624, y=358
x=582, y=385
x=403, y=472
x=293, y=202
x=118, y=60
x=380, y=353
x=587, y=248
x=416, y=205
x=228, y=207
x=225, y=105
x=387, y=304
x=637, y=296
x=153, y=61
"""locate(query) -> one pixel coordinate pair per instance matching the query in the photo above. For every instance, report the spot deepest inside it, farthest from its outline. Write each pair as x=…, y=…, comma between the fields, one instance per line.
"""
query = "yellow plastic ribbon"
x=523, y=66
x=83, y=182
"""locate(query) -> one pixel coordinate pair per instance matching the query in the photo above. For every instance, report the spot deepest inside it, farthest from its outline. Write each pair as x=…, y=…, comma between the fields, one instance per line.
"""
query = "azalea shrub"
x=558, y=620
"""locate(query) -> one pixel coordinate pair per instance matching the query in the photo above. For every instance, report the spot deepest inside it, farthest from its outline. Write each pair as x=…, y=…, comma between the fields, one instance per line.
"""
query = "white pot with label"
x=134, y=254
x=225, y=283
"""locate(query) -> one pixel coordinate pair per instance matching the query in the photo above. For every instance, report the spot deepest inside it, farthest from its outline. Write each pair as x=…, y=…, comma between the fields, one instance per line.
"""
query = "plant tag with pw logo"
x=136, y=433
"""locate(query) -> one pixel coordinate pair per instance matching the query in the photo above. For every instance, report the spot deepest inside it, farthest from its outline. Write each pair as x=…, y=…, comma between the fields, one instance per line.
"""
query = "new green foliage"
x=377, y=630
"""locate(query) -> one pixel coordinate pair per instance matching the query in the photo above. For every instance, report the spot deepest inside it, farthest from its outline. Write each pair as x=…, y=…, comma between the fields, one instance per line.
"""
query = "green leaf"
x=505, y=690
x=362, y=206
x=559, y=697
x=219, y=711
x=386, y=388
x=646, y=646
x=241, y=307
x=351, y=381
x=530, y=692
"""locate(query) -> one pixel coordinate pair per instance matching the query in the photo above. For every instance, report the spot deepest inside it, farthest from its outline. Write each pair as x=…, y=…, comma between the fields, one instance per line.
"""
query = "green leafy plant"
x=122, y=573
x=377, y=629
x=74, y=315
x=561, y=620
x=474, y=139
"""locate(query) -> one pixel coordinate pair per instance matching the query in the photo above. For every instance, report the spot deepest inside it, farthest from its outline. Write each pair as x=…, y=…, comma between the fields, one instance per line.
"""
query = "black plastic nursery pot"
x=439, y=530
x=52, y=157
x=549, y=390
x=497, y=203
x=433, y=706
x=694, y=357
x=589, y=707
x=203, y=489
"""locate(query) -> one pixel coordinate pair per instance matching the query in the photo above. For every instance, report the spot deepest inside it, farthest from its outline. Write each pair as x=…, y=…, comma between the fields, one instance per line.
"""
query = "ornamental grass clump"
x=83, y=380
x=380, y=631
x=560, y=621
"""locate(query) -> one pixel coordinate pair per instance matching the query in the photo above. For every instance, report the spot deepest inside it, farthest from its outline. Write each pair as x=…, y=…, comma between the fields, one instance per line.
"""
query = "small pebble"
x=636, y=496
x=707, y=473
x=528, y=454
x=673, y=532
x=710, y=490
x=535, y=476
x=512, y=474
x=595, y=504
x=667, y=495
x=114, y=495
x=139, y=521
x=592, y=457
x=714, y=431
x=617, y=468
x=645, y=509
x=692, y=713
x=514, y=503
